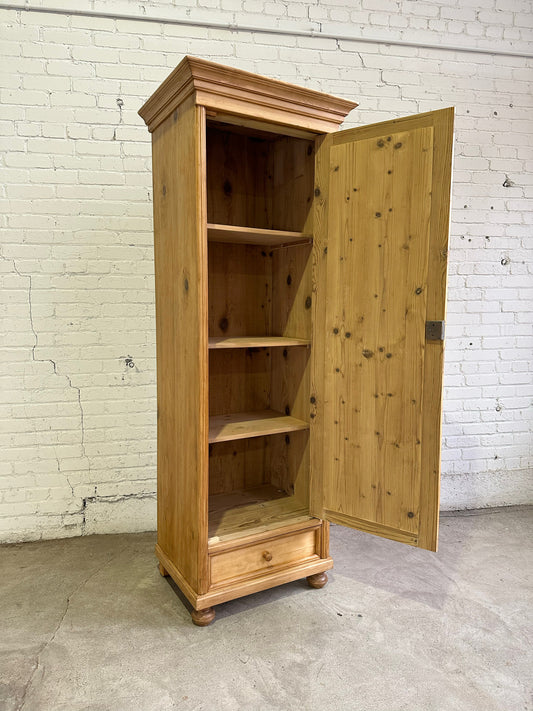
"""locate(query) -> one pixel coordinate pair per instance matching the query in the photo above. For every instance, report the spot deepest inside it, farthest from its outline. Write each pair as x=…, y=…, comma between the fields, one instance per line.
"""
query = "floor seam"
x=37, y=665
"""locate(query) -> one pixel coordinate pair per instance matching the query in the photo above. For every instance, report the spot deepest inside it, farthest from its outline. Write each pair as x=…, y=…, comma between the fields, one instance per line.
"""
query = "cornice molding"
x=234, y=91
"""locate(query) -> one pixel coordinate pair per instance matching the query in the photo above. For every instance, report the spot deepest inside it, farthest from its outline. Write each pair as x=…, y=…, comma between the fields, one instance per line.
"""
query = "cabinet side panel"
x=318, y=315
x=292, y=170
x=181, y=315
x=291, y=316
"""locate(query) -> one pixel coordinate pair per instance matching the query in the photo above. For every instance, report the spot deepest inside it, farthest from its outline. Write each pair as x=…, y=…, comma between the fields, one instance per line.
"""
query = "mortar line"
x=233, y=27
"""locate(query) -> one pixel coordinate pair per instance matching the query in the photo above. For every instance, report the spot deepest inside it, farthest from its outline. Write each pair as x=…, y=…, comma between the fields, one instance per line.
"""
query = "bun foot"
x=318, y=580
x=202, y=618
x=163, y=570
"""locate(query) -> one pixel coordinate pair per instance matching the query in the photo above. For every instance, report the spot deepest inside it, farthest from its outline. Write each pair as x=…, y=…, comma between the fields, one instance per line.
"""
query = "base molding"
x=235, y=590
x=240, y=589
x=177, y=577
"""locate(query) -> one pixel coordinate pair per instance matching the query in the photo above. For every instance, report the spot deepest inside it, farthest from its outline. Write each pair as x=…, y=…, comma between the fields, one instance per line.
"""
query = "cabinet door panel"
x=380, y=250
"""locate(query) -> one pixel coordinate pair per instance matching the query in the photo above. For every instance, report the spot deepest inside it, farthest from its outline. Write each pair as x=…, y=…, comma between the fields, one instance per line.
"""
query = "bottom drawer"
x=264, y=557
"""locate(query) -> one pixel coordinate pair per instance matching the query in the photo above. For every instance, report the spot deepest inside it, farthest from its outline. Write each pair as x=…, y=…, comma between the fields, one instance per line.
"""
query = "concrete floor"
x=88, y=623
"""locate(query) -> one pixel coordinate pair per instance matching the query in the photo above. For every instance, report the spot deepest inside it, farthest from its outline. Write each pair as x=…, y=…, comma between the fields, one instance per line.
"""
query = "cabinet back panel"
x=239, y=380
x=239, y=183
x=242, y=464
x=254, y=291
x=248, y=379
x=240, y=290
x=281, y=461
x=262, y=180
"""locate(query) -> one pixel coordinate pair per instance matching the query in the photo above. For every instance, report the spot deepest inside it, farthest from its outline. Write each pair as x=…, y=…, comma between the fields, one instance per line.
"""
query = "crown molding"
x=236, y=92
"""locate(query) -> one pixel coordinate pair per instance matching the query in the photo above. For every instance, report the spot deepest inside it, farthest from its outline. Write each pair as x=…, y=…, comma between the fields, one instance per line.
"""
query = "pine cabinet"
x=300, y=296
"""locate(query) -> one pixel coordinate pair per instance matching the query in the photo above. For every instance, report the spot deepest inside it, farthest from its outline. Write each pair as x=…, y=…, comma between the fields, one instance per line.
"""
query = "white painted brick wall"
x=77, y=379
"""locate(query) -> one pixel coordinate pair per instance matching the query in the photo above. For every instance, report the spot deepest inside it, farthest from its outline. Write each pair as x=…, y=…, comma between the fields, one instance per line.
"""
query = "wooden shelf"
x=253, y=235
x=216, y=343
x=251, y=511
x=242, y=425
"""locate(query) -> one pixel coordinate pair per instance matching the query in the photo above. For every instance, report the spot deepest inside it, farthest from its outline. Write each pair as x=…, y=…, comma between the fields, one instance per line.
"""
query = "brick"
x=116, y=39
x=72, y=208
x=66, y=36
x=95, y=54
x=32, y=98
x=67, y=68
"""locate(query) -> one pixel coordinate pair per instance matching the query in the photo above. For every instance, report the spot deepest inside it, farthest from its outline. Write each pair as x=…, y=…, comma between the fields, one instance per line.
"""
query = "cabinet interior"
x=259, y=197
x=258, y=179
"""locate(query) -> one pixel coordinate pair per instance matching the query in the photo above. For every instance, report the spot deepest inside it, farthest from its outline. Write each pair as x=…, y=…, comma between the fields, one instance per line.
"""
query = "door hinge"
x=434, y=330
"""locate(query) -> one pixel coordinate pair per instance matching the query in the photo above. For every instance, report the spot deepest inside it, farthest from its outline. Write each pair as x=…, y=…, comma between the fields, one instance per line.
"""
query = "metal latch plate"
x=434, y=330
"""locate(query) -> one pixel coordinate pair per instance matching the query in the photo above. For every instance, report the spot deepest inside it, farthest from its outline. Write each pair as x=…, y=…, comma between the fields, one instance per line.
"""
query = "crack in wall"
x=388, y=83
x=54, y=366
x=112, y=499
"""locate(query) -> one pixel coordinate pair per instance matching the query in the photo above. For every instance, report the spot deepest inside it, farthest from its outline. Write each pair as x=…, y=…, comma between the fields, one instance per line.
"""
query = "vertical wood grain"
x=380, y=233
x=240, y=290
x=292, y=169
x=239, y=182
x=292, y=291
x=241, y=464
x=181, y=319
x=239, y=380
x=319, y=288
x=436, y=311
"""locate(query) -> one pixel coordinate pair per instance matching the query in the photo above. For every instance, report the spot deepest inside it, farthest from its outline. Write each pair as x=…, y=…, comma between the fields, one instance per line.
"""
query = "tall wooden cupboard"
x=300, y=296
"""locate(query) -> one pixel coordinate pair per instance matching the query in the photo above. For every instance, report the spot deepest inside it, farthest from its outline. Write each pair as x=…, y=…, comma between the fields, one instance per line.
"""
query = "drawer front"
x=264, y=557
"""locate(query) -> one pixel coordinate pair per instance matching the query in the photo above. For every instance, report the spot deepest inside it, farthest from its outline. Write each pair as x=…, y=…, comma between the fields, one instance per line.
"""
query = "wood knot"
x=367, y=353
x=223, y=324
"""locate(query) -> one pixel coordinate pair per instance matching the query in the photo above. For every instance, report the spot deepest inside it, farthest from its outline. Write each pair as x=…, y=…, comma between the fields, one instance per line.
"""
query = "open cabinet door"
x=380, y=251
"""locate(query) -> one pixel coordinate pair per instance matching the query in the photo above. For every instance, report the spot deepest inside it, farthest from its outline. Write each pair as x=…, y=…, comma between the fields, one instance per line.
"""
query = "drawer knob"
x=267, y=556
